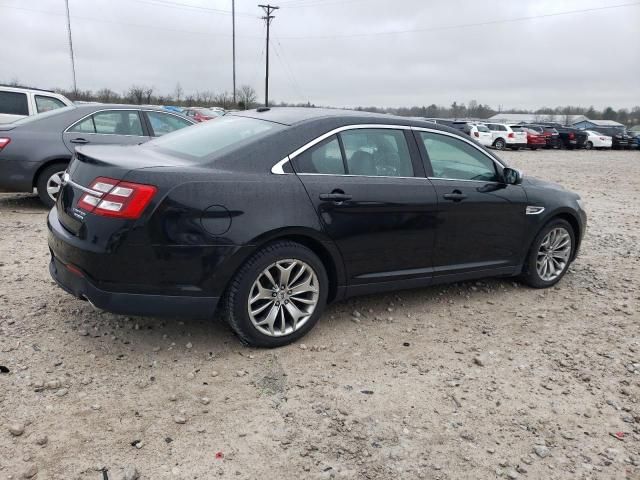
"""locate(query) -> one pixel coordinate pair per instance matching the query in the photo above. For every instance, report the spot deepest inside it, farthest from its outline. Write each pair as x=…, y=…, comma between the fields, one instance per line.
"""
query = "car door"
x=161, y=123
x=117, y=126
x=369, y=190
x=481, y=220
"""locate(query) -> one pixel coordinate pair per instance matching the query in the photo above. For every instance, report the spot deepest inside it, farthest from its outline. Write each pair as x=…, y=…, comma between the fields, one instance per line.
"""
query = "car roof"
x=292, y=116
x=20, y=88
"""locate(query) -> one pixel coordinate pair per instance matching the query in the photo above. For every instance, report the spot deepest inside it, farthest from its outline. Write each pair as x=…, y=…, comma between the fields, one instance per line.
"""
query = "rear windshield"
x=516, y=128
x=201, y=141
x=482, y=128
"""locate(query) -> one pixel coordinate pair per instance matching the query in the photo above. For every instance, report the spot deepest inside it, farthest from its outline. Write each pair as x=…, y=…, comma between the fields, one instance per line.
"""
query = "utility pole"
x=73, y=62
x=233, y=29
x=268, y=9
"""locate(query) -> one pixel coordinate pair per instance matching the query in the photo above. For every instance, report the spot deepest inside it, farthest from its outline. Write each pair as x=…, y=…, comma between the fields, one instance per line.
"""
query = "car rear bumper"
x=74, y=282
x=73, y=261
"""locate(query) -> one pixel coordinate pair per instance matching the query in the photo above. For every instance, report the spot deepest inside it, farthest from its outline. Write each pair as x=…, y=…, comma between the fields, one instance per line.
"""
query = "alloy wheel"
x=553, y=254
x=54, y=184
x=283, y=297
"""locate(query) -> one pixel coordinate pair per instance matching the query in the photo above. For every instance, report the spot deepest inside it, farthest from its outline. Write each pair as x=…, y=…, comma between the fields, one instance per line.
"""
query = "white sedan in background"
x=597, y=140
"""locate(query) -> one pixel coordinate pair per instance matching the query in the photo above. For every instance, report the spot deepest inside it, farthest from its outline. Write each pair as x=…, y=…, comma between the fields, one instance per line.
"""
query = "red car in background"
x=535, y=139
x=201, y=114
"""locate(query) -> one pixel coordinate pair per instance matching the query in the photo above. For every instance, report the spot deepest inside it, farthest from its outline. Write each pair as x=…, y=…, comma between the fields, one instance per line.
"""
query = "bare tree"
x=223, y=100
x=178, y=92
x=106, y=95
x=136, y=94
x=246, y=96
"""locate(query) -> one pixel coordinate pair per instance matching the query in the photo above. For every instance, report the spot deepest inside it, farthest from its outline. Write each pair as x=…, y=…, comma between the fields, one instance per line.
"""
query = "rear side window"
x=118, y=122
x=377, y=152
x=14, y=103
x=84, y=126
x=163, y=123
x=455, y=159
x=325, y=158
x=203, y=140
x=45, y=103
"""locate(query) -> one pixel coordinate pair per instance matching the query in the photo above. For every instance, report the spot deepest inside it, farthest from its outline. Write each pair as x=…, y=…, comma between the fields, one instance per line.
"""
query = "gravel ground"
x=473, y=380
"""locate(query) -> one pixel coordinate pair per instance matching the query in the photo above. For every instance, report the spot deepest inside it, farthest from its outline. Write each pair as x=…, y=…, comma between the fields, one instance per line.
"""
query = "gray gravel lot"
x=474, y=380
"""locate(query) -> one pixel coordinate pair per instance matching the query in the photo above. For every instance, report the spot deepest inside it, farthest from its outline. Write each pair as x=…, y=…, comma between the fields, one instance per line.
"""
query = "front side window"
x=45, y=103
x=452, y=158
x=14, y=103
x=325, y=158
x=208, y=138
x=377, y=152
x=118, y=122
x=163, y=123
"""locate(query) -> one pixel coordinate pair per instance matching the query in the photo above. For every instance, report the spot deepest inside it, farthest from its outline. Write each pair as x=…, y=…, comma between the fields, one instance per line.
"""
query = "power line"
x=137, y=25
x=268, y=10
x=279, y=49
x=187, y=7
x=464, y=25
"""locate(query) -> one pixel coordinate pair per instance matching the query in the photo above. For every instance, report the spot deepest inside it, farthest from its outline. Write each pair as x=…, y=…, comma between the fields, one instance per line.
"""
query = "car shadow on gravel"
x=25, y=202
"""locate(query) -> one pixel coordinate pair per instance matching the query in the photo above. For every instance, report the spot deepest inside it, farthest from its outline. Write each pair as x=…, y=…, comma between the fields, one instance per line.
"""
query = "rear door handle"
x=335, y=197
x=454, y=196
x=81, y=141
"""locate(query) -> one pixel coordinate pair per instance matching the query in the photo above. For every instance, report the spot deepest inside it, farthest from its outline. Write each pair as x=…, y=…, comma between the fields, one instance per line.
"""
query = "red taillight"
x=114, y=198
x=476, y=134
x=572, y=136
x=511, y=135
x=4, y=142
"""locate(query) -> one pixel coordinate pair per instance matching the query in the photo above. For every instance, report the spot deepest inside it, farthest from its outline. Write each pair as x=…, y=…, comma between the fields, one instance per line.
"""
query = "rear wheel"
x=588, y=145
x=277, y=296
x=550, y=255
x=49, y=183
x=499, y=144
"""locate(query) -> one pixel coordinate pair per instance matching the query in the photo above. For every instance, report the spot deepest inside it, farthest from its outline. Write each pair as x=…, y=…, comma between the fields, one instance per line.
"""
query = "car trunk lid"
x=90, y=163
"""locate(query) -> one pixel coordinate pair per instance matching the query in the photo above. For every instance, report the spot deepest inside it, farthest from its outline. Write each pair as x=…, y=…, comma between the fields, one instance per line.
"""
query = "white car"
x=481, y=134
x=597, y=140
x=505, y=136
x=17, y=103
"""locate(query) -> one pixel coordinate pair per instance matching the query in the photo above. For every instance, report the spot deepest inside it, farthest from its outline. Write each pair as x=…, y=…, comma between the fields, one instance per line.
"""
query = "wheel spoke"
x=293, y=281
x=263, y=294
x=296, y=314
x=285, y=272
x=304, y=287
x=261, y=309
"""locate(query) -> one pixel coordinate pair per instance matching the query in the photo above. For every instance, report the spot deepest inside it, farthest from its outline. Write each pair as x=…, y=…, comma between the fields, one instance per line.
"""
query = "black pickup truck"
x=568, y=137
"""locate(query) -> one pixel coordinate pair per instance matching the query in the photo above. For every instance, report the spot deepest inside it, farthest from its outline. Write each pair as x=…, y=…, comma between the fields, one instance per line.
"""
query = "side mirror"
x=512, y=176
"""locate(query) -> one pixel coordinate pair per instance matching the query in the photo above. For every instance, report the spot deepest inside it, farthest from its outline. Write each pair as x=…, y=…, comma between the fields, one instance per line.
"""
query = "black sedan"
x=268, y=215
x=35, y=151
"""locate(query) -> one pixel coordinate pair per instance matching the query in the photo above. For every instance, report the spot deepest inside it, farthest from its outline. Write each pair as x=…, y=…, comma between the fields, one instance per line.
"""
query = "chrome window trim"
x=277, y=168
x=66, y=130
x=462, y=180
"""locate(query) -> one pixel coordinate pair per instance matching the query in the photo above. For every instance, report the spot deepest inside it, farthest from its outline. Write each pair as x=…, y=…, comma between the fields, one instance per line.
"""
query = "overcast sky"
x=339, y=53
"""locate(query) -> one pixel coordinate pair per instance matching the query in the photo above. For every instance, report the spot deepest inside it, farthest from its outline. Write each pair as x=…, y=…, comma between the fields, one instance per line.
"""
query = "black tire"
x=236, y=297
x=499, y=144
x=534, y=148
x=588, y=145
x=529, y=273
x=43, y=179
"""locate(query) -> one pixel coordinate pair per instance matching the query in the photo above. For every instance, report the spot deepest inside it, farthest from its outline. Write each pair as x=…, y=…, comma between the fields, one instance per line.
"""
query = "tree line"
x=626, y=116
x=246, y=97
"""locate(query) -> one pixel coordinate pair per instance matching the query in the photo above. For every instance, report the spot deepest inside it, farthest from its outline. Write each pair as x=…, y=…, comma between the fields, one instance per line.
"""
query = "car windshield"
x=201, y=141
x=40, y=116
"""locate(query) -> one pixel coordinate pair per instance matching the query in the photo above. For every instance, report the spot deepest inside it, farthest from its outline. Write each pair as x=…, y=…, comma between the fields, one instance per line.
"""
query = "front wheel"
x=49, y=183
x=277, y=296
x=499, y=144
x=550, y=255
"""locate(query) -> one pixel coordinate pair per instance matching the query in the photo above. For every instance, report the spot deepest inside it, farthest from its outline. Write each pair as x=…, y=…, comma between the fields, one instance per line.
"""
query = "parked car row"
x=35, y=151
x=543, y=135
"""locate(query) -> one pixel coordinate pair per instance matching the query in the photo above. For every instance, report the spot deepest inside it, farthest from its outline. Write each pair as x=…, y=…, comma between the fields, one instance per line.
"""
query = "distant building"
x=587, y=124
x=537, y=117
